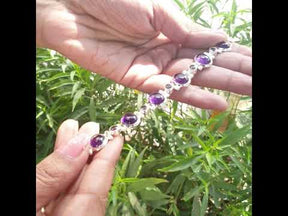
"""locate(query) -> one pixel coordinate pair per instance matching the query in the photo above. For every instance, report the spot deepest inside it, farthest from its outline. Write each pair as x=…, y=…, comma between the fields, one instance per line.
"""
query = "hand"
x=137, y=44
x=65, y=183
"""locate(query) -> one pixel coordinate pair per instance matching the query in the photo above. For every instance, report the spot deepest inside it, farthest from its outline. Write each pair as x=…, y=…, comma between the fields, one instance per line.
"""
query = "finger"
x=242, y=49
x=66, y=131
x=89, y=128
x=191, y=95
x=56, y=172
x=180, y=29
x=144, y=75
x=99, y=174
x=235, y=48
x=215, y=77
x=93, y=190
x=229, y=60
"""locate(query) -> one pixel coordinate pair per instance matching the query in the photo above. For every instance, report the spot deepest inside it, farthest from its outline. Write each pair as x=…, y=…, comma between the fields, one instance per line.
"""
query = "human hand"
x=137, y=44
x=65, y=183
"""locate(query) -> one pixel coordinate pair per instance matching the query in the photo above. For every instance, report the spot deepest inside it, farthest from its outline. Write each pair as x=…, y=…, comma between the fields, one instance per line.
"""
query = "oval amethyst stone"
x=156, y=98
x=223, y=45
x=181, y=78
x=97, y=140
x=203, y=59
x=129, y=119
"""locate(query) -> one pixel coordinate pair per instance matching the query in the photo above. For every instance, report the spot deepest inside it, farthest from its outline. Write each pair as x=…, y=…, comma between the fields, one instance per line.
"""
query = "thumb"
x=169, y=20
x=57, y=171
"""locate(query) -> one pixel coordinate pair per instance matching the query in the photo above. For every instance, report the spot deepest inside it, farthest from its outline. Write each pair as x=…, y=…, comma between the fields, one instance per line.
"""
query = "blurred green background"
x=185, y=161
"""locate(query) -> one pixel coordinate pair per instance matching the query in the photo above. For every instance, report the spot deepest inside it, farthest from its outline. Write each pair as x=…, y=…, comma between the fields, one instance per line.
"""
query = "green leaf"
x=77, y=97
x=173, y=209
x=196, y=208
x=210, y=159
x=153, y=194
x=195, y=8
x=155, y=164
x=142, y=183
x=191, y=193
x=50, y=120
x=217, y=121
x=174, y=109
x=60, y=84
x=182, y=164
x=176, y=184
x=72, y=74
x=55, y=77
x=78, y=113
x=180, y=4
x=235, y=136
x=215, y=196
x=125, y=164
x=203, y=145
x=225, y=186
x=134, y=166
x=185, y=127
x=75, y=87
x=238, y=164
x=140, y=210
x=92, y=113
x=204, y=204
x=213, y=6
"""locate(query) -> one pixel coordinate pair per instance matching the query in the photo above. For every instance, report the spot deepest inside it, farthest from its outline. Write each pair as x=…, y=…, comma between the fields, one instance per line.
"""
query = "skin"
x=140, y=44
x=68, y=185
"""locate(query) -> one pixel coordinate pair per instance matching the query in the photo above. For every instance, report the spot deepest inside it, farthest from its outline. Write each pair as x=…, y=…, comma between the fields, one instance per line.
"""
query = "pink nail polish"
x=74, y=147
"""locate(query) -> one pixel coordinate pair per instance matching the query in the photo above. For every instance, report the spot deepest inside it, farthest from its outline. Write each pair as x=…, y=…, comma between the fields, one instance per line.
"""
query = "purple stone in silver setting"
x=181, y=78
x=203, y=59
x=130, y=120
x=223, y=45
x=97, y=141
x=115, y=129
x=156, y=98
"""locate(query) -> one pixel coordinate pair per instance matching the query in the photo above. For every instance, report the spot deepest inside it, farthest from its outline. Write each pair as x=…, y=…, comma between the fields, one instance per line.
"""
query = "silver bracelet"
x=157, y=99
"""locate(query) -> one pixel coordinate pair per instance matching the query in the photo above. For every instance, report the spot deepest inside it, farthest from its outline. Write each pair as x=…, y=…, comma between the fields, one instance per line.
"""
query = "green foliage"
x=181, y=162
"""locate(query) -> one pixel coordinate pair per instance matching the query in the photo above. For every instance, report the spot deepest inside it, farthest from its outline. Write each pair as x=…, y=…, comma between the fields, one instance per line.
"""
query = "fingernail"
x=75, y=146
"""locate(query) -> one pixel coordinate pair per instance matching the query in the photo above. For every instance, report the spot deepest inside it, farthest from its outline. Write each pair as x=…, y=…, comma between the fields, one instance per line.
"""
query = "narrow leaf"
x=77, y=97
x=191, y=193
x=182, y=164
x=142, y=183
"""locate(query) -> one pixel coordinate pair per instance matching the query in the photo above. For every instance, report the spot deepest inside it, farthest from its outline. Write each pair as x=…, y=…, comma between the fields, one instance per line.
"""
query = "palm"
x=123, y=45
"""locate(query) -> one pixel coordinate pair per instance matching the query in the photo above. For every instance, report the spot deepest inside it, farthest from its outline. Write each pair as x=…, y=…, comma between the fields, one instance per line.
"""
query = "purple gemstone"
x=203, y=59
x=223, y=45
x=113, y=128
x=181, y=78
x=97, y=140
x=156, y=98
x=129, y=119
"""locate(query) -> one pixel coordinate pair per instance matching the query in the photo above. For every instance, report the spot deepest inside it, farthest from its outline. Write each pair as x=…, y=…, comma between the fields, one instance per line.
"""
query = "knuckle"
x=47, y=176
x=103, y=198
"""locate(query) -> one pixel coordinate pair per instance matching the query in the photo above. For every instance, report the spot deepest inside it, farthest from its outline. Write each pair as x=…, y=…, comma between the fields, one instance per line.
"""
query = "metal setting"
x=166, y=92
